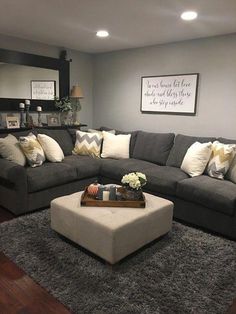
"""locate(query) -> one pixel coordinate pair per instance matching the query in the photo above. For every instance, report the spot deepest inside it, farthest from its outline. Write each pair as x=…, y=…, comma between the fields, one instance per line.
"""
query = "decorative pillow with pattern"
x=87, y=144
x=32, y=149
x=221, y=159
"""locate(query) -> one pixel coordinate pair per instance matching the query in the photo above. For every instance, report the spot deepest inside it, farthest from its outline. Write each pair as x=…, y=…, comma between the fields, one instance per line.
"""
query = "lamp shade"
x=76, y=92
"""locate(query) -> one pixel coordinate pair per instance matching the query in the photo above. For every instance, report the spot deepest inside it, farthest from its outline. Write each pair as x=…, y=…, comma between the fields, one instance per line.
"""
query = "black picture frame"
x=162, y=94
x=51, y=82
x=21, y=58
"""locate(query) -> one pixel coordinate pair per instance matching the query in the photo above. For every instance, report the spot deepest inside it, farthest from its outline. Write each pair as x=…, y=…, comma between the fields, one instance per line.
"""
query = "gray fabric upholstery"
x=226, y=140
x=18, y=133
x=132, y=139
x=115, y=169
x=216, y=194
x=181, y=145
x=163, y=179
x=62, y=137
x=72, y=133
x=154, y=147
x=50, y=174
x=85, y=166
x=12, y=172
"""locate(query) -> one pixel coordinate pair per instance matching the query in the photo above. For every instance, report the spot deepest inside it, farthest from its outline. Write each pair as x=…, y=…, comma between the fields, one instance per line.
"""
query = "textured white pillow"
x=115, y=146
x=196, y=158
x=10, y=150
x=52, y=149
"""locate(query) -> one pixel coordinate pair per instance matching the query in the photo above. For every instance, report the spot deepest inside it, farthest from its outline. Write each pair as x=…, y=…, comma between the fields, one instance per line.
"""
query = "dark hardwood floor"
x=19, y=294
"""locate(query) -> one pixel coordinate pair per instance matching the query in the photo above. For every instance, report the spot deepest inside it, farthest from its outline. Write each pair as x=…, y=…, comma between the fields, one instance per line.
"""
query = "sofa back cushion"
x=62, y=137
x=181, y=145
x=153, y=147
x=132, y=139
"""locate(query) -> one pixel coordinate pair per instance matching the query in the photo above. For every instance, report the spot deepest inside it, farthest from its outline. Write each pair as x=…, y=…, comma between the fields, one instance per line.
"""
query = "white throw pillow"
x=115, y=146
x=10, y=150
x=51, y=148
x=196, y=158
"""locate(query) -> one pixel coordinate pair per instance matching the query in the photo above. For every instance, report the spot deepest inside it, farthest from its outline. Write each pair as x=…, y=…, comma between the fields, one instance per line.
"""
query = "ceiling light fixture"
x=189, y=15
x=102, y=33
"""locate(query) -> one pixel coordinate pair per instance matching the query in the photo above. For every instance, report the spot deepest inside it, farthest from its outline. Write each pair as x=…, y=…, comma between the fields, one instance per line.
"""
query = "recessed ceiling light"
x=102, y=33
x=189, y=15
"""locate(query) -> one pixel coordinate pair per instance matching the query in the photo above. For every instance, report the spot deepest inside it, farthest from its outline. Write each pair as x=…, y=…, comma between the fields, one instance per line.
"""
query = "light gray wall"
x=117, y=86
x=81, y=70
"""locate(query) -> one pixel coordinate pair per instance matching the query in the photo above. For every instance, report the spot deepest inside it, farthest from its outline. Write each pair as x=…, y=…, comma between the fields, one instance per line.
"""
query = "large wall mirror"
x=22, y=75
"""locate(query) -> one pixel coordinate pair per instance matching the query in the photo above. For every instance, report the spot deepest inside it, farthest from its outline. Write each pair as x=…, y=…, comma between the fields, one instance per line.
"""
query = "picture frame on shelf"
x=12, y=122
x=53, y=120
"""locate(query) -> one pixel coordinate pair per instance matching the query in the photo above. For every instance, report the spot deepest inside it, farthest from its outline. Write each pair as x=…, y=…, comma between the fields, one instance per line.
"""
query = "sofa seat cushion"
x=50, y=175
x=85, y=166
x=153, y=147
x=216, y=194
x=163, y=179
x=62, y=137
x=115, y=169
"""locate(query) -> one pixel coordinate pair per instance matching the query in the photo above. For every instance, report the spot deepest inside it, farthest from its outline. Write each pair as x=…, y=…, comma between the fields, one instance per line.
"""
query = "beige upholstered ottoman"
x=111, y=233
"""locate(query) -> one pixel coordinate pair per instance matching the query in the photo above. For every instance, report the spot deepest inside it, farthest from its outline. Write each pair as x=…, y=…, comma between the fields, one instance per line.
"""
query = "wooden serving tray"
x=89, y=200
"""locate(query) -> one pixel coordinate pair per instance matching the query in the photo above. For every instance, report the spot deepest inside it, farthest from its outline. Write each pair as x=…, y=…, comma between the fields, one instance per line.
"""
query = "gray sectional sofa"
x=201, y=201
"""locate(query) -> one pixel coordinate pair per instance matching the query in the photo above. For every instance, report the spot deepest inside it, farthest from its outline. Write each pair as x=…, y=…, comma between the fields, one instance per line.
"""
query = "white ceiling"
x=131, y=23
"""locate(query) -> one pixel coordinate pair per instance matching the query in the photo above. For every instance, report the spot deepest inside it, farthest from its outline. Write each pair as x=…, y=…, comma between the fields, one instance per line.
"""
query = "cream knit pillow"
x=10, y=150
x=115, y=146
x=51, y=148
x=196, y=158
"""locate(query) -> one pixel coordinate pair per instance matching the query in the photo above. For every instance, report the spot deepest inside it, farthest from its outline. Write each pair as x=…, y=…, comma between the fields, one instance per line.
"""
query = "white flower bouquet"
x=134, y=180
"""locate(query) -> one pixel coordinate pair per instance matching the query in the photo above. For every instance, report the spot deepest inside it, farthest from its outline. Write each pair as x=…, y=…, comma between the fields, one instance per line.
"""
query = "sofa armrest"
x=13, y=173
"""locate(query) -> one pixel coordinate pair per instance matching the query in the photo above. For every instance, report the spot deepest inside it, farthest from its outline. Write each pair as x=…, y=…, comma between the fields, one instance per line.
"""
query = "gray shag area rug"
x=187, y=271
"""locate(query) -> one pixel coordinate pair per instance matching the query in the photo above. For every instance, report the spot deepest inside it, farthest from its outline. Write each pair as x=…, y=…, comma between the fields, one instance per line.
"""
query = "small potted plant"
x=133, y=183
x=65, y=106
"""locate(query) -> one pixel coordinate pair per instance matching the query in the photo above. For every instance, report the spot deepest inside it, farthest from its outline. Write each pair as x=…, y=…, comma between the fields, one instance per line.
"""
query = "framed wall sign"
x=174, y=94
x=43, y=89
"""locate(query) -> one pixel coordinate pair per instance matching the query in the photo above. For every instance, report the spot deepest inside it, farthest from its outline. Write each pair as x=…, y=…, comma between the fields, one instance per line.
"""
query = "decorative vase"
x=132, y=194
x=66, y=117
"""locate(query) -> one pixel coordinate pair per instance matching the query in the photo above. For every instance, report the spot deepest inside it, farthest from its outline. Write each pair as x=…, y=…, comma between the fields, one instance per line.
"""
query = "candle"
x=27, y=102
x=21, y=105
x=39, y=108
x=105, y=195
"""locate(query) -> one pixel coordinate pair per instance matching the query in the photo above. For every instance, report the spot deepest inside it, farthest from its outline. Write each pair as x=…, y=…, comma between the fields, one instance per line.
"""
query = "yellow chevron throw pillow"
x=32, y=149
x=87, y=144
x=221, y=159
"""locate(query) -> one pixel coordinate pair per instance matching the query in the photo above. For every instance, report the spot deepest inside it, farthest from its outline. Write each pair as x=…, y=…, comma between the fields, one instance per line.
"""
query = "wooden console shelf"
x=60, y=127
